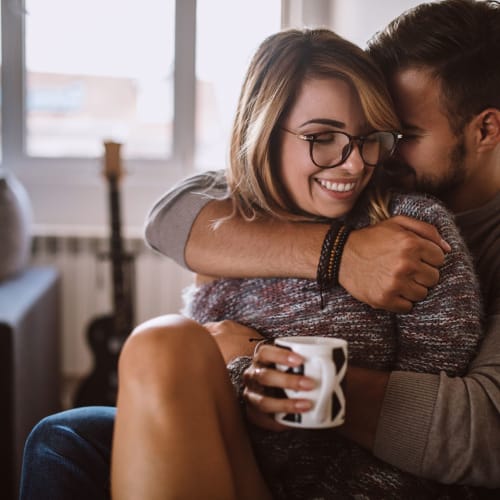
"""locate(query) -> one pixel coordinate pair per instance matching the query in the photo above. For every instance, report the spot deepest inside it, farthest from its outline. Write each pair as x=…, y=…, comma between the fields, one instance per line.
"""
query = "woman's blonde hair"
x=277, y=70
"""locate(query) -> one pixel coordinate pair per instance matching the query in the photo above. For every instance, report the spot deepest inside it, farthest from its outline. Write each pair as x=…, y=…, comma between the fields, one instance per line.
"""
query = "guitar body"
x=106, y=334
x=101, y=386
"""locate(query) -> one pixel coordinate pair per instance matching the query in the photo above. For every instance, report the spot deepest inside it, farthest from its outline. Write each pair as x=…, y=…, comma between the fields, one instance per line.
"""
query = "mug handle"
x=328, y=375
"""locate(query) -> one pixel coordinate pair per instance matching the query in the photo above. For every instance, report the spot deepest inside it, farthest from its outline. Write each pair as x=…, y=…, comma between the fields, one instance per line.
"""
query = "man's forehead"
x=416, y=94
x=414, y=84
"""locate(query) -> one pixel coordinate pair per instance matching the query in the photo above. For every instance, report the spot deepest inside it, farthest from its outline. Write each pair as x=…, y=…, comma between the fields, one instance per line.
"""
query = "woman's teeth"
x=339, y=187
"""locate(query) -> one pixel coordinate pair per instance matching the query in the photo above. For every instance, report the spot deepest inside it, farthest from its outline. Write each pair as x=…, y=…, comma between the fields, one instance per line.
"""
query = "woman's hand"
x=260, y=376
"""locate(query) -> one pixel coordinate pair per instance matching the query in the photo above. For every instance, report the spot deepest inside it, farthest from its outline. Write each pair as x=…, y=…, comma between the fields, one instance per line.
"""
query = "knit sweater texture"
x=441, y=333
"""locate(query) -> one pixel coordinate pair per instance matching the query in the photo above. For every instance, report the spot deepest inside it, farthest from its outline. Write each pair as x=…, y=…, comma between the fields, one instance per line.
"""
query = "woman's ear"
x=487, y=129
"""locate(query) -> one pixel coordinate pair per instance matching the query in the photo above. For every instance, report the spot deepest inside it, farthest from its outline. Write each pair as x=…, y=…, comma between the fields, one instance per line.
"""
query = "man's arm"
x=169, y=222
x=262, y=248
x=181, y=225
x=446, y=428
x=398, y=258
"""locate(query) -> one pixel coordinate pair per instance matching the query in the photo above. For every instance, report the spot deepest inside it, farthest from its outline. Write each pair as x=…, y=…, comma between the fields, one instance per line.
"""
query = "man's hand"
x=392, y=264
x=232, y=338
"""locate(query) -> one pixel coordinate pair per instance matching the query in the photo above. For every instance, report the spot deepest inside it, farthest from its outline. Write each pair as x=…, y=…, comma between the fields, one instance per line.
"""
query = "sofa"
x=29, y=363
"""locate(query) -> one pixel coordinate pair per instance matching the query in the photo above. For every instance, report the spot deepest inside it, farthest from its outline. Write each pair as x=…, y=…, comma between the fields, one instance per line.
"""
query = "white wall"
x=358, y=20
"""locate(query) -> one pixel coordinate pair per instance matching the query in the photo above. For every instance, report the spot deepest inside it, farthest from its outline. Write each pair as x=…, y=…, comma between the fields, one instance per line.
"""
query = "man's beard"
x=442, y=187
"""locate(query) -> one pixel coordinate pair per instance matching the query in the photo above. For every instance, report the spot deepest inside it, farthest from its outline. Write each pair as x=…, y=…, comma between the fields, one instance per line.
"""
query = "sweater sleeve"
x=446, y=428
x=169, y=222
x=443, y=427
x=442, y=332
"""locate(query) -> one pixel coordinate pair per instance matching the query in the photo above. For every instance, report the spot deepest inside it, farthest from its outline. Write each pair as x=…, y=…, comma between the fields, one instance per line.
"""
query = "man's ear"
x=487, y=129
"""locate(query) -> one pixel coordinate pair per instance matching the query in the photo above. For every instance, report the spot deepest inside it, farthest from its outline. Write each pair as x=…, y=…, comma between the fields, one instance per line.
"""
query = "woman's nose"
x=354, y=163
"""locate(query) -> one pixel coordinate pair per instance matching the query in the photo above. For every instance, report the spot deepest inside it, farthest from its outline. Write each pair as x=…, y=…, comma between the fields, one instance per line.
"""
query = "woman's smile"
x=337, y=186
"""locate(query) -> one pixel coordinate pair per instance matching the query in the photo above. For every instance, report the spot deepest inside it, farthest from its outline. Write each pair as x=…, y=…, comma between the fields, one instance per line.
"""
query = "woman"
x=314, y=122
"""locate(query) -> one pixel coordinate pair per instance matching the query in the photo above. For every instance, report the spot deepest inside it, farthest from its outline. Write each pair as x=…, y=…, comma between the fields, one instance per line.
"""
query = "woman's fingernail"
x=303, y=405
x=294, y=358
x=307, y=383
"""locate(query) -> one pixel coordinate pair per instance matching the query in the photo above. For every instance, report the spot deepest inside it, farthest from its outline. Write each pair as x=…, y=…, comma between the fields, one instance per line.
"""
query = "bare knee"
x=166, y=351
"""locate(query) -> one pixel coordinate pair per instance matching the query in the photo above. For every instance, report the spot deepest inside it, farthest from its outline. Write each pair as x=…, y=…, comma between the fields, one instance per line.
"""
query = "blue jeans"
x=67, y=456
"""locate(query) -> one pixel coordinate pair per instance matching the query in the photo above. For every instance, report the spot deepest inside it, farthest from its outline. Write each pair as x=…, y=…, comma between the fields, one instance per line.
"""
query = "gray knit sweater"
x=441, y=333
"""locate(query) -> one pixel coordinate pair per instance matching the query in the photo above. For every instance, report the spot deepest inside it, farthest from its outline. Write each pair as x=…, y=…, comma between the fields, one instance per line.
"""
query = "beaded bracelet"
x=326, y=252
x=338, y=250
x=331, y=253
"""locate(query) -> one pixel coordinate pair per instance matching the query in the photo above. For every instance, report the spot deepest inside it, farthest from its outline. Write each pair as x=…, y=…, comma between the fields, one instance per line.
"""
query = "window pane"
x=228, y=33
x=97, y=70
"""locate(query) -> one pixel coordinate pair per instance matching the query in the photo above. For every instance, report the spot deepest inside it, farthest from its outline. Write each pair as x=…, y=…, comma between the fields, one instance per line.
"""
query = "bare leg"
x=179, y=432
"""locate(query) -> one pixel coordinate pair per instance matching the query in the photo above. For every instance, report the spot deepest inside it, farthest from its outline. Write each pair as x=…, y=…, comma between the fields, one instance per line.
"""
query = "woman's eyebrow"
x=324, y=121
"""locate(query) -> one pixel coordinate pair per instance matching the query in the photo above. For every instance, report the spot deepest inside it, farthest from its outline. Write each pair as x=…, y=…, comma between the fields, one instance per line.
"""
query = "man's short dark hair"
x=459, y=42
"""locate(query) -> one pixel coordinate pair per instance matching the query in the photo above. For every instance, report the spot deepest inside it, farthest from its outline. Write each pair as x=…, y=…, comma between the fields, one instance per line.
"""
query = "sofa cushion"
x=15, y=226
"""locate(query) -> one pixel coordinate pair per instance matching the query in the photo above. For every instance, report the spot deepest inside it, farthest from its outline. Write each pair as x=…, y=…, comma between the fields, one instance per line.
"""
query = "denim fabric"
x=67, y=456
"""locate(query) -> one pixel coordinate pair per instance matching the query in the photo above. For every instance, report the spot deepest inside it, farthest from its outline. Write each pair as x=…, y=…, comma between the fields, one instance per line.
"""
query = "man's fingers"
x=423, y=229
x=427, y=275
x=400, y=305
x=415, y=292
x=413, y=289
x=432, y=254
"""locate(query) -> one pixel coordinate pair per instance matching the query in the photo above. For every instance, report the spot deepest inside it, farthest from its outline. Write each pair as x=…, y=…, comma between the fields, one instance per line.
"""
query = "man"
x=434, y=426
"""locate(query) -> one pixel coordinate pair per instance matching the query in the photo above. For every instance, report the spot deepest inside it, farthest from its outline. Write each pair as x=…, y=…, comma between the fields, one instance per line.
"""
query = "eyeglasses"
x=331, y=149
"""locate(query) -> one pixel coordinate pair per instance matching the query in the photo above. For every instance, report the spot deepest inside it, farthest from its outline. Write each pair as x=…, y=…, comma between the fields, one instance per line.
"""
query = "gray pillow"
x=15, y=226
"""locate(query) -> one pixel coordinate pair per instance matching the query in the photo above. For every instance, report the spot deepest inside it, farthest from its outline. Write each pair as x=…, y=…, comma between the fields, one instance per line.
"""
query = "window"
x=99, y=69
x=95, y=70
x=160, y=76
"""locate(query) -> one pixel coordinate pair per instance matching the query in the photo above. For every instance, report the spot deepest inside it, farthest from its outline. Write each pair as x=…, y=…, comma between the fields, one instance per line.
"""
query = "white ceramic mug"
x=326, y=363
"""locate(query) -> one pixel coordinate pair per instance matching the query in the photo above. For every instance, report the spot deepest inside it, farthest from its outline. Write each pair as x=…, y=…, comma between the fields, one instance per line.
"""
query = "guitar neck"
x=121, y=263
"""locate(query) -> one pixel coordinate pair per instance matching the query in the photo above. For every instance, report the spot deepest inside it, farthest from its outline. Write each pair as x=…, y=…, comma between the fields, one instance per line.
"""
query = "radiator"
x=87, y=288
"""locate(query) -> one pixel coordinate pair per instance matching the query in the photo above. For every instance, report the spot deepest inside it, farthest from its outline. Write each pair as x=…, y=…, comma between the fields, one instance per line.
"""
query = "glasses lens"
x=377, y=147
x=329, y=149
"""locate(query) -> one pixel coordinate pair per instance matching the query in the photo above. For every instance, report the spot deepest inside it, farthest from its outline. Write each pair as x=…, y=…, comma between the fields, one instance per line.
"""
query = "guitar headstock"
x=112, y=161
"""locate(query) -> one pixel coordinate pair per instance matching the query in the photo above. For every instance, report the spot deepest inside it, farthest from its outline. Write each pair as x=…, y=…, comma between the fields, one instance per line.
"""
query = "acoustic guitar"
x=106, y=334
